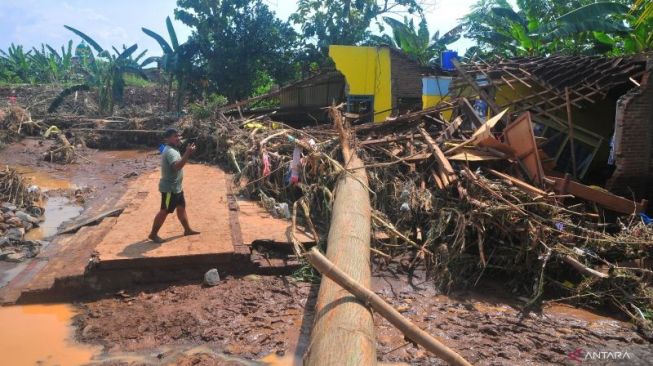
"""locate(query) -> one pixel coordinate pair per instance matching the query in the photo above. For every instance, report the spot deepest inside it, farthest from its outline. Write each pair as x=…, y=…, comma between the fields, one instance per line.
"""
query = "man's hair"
x=170, y=132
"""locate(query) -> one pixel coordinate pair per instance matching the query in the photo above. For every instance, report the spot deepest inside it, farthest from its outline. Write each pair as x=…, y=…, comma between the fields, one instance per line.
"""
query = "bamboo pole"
x=571, y=134
x=330, y=270
x=343, y=333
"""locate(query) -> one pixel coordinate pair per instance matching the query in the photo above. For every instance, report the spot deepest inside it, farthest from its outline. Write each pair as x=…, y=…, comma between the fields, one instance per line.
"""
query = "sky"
x=32, y=22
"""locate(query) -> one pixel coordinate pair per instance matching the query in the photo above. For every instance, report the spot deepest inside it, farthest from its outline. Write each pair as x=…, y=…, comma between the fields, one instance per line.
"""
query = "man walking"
x=172, y=195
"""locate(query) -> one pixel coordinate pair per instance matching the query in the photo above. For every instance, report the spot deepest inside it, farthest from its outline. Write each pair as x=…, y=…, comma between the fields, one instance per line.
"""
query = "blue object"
x=435, y=85
x=647, y=220
x=161, y=148
x=447, y=60
x=480, y=106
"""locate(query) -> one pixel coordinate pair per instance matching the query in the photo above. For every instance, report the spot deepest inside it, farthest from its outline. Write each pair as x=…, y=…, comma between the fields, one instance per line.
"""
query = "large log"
x=410, y=330
x=343, y=333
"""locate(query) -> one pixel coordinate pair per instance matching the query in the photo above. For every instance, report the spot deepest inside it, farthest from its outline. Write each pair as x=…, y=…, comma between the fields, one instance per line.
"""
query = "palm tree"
x=417, y=43
x=105, y=73
x=176, y=61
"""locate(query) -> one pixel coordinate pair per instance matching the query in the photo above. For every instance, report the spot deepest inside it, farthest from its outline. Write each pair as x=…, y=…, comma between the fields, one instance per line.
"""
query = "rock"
x=14, y=222
x=28, y=218
x=2, y=219
x=16, y=257
x=4, y=240
x=6, y=206
x=212, y=277
x=35, y=211
x=16, y=233
x=27, y=226
x=130, y=175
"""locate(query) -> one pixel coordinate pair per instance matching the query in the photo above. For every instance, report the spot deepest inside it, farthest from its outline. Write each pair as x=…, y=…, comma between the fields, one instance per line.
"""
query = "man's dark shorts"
x=170, y=201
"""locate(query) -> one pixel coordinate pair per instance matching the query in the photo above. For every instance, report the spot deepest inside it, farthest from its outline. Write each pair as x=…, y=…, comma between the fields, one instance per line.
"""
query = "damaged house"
x=601, y=107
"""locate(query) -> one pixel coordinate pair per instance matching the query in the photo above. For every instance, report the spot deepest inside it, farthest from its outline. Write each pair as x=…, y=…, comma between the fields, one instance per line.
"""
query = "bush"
x=205, y=109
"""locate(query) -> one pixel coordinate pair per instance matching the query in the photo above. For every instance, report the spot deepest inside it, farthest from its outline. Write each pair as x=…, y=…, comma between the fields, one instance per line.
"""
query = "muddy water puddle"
x=58, y=209
x=41, y=335
x=44, y=180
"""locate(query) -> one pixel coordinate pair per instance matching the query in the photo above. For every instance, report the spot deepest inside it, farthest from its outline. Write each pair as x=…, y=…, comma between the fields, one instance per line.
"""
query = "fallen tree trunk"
x=343, y=333
x=414, y=333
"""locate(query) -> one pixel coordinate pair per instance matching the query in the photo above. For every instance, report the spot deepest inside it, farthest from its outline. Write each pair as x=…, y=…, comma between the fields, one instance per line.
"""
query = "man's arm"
x=179, y=164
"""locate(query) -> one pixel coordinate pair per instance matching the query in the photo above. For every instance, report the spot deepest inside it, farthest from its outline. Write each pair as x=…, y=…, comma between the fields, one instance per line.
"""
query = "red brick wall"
x=634, y=140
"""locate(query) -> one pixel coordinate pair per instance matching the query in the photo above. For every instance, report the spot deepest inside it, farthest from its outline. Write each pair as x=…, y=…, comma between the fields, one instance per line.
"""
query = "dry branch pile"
x=441, y=201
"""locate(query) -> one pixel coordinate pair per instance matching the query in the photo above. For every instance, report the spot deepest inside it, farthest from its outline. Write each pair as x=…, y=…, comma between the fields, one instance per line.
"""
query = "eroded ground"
x=268, y=317
x=256, y=316
x=250, y=317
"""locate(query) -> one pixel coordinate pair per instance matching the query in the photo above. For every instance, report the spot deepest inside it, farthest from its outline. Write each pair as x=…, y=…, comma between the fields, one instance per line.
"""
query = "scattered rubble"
x=18, y=203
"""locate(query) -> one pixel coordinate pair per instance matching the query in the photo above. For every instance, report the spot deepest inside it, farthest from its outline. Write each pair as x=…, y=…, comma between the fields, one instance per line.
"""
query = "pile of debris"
x=20, y=212
x=14, y=123
x=464, y=203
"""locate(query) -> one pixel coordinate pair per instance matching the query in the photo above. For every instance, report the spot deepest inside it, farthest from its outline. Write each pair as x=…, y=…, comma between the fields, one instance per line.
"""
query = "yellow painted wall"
x=433, y=100
x=367, y=71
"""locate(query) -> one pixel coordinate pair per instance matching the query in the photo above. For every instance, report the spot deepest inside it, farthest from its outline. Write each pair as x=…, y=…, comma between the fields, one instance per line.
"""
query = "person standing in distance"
x=170, y=185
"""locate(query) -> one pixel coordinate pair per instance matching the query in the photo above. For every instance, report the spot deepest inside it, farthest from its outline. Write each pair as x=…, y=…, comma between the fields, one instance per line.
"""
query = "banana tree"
x=518, y=33
x=176, y=61
x=417, y=43
x=52, y=66
x=105, y=73
x=17, y=62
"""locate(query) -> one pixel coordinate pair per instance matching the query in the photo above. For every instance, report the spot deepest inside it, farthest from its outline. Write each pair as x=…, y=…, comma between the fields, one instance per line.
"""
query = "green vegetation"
x=177, y=61
x=240, y=48
x=104, y=73
x=418, y=44
x=568, y=27
x=240, y=43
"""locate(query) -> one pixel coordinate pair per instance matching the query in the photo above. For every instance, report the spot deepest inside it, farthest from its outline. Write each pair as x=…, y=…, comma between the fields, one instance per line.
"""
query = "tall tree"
x=241, y=43
x=345, y=22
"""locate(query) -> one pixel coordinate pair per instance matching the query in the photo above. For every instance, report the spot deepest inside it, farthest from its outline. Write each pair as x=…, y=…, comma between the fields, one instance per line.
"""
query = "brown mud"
x=250, y=317
x=257, y=316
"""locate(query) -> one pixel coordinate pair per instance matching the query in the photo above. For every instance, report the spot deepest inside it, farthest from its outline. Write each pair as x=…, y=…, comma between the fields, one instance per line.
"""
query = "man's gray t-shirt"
x=170, y=178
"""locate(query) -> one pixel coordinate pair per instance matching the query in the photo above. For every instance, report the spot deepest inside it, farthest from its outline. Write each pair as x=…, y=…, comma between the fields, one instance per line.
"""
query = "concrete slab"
x=205, y=190
x=258, y=224
x=121, y=253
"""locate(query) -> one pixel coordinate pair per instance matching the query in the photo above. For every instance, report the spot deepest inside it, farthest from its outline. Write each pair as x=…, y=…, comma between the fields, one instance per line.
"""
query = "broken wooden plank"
x=481, y=93
x=445, y=166
x=93, y=220
x=449, y=130
x=605, y=199
x=520, y=183
x=571, y=134
x=481, y=133
x=519, y=135
x=469, y=154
